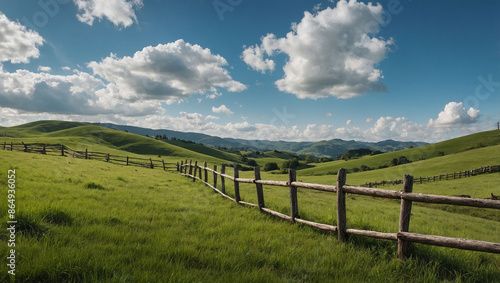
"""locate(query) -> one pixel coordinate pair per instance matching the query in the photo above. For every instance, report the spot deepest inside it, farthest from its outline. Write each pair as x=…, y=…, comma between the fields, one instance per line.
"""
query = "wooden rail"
x=406, y=196
x=448, y=176
x=62, y=150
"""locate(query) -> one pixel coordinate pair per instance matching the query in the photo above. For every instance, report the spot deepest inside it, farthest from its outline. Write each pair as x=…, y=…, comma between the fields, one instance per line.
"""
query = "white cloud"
x=331, y=53
x=17, y=44
x=119, y=12
x=329, y=114
x=167, y=72
x=211, y=117
x=222, y=109
x=254, y=57
x=455, y=115
x=65, y=68
x=368, y=120
x=44, y=69
x=349, y=122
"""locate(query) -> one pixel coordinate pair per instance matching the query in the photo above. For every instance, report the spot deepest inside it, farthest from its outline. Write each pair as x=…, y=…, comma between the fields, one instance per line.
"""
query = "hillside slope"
x=480, y=146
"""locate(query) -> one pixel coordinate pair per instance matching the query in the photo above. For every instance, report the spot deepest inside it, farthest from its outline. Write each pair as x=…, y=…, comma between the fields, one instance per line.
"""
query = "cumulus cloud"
x=44, y=69
x=119, y=12
x=17, y=44
x=168, y=72
x=455, y=115
x=349, y=122
x=222, y=109
x=333, y=52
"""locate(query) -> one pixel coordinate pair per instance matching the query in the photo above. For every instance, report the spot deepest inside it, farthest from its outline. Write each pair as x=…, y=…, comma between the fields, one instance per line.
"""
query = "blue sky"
x=279, y=70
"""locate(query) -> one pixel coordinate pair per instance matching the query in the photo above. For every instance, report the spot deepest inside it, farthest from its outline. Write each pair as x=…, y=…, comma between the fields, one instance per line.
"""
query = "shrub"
x=271, y=166
x=93, y=186
x=291, y=163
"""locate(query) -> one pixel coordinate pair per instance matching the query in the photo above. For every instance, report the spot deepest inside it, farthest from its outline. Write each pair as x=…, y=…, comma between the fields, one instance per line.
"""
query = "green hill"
x=80, y=136
x=473, y=142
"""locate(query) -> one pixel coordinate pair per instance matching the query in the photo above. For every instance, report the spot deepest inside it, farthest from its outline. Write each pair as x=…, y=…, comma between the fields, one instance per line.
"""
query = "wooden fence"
x=447, y=176
x=62, y=150
x=403, y=236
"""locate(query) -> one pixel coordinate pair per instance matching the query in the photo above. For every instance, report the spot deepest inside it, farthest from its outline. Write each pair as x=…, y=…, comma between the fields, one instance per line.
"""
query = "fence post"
x=182, y=166
x=215, y=176
x=25, y=147
x=127, y=160
x=222, y=181
x=236, y=184
x=151, y=163
x=11, y=146
x=163, y=162
x=86, y=153
x=190, y=167
x=62, y=150
x=341, y=207
x=206, y=172
x=107, y=158
x=44, y=149
x=195, y=169
x=294, y=204
x=4, y=144
x=404, y=217
x=260, y=190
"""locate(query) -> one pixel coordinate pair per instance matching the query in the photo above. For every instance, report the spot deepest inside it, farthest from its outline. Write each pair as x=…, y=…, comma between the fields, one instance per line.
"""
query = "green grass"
x=91, y=221
x=148, y=225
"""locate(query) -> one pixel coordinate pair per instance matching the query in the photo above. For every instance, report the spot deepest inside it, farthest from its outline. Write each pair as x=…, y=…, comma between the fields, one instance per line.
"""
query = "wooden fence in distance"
x=447, y=176
x=62, y=150
x=406, y=196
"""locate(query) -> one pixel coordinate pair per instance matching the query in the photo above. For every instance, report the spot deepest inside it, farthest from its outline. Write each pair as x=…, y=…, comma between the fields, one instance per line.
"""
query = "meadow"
x=92, y=221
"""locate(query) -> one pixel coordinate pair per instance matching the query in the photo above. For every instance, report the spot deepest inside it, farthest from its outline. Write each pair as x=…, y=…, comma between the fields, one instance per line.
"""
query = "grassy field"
x=91, y=221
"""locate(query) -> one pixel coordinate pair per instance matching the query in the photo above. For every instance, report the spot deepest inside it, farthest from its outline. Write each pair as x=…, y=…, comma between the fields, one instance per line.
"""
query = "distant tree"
x=365, y=168
x=271, y=166
x=440, y=153
x=291, y=163
x=394, y=162
x=164, y=137
x=252, y=162
x=355, y=169
x=410, y=146
x=309, y=159
x=403, y=160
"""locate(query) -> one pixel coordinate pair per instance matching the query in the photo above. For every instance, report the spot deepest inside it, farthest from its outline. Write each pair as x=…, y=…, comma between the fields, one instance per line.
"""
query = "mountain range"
x=329, y=148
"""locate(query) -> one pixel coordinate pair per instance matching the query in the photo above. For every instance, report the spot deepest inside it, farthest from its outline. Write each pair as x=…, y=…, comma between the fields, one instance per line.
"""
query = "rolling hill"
x=321, y=148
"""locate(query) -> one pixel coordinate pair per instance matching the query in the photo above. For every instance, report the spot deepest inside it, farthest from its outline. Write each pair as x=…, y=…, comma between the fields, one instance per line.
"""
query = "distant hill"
x=322, y=148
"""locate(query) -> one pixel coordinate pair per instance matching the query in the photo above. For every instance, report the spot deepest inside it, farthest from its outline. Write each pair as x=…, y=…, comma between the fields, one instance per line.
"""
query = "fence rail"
x=406, y=196
x=448, y=176
x=62, y=150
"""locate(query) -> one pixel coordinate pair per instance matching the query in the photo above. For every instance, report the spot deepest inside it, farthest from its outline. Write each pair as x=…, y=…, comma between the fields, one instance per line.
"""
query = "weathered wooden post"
x=294, y=204
x=190, y=167
x=44, y=149
x=4, y=145
x=222, y=181
x=25, y=147
x=236, y=184
x=107, y=157
x=62, y=150
x=341, y=206
x=260, y=190
x=404, y=216
x=206, y=172
x=11, y=146
x=182, y=166
x=86, y=153
x=215, y=176
x=151, y=163
x=195, y=169
x=127, y=160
